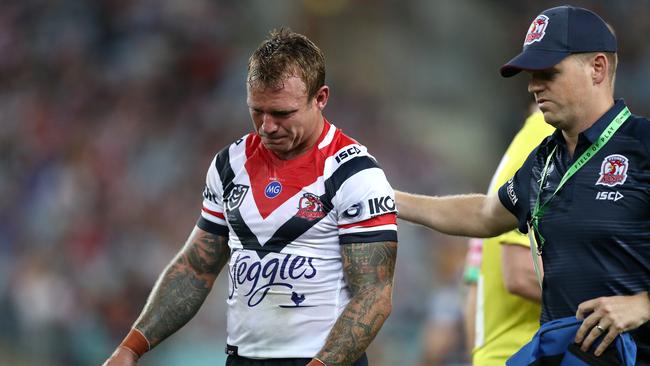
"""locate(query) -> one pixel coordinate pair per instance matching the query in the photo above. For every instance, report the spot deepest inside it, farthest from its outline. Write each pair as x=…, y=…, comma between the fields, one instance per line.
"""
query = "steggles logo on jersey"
x=310, y=207
x=537, y=30
x=236, y=196
x=381, y=205
x=258, y=277
x=273, y=189
x=613, y=170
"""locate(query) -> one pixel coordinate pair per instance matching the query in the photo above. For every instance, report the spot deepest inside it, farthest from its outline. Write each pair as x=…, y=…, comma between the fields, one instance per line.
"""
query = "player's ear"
x=321, y=97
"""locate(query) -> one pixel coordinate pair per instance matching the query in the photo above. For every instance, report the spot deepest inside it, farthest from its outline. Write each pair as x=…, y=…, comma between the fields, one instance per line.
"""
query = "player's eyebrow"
x=276, y=112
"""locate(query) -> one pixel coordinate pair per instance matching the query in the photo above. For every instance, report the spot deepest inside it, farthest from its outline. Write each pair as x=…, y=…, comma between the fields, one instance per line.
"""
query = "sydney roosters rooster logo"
x=537, y=30
x=613, y=171
x=310, y=207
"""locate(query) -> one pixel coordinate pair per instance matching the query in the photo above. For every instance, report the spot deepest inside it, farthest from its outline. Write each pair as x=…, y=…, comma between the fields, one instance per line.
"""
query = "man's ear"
x=599, y=68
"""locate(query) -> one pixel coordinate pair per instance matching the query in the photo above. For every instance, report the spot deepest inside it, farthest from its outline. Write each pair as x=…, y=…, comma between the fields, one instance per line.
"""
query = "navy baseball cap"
x=558, y=32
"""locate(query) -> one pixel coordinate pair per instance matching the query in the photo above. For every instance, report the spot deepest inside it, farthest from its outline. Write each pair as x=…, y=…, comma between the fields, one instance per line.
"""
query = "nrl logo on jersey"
x=310, y=207
x=236, y=197
x=613, y=170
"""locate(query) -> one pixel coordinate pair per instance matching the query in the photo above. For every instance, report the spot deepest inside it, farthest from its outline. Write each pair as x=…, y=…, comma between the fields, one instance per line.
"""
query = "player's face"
x=561, y=91
x=287, y=121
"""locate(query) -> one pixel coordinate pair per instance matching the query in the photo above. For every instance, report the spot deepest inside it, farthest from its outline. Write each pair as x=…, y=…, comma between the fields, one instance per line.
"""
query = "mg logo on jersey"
x=613, y=170
x=537, y=30
x=236, y=196
x=381, y=205
x=273, y=189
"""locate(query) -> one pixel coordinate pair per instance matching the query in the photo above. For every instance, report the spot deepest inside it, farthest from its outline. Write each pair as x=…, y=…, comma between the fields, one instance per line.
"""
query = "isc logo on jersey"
x=609, y=196
x=349, y=152
x=273, y=189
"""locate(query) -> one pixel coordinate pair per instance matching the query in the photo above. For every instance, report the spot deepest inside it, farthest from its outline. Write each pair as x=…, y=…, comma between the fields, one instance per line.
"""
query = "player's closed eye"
x=282, y=114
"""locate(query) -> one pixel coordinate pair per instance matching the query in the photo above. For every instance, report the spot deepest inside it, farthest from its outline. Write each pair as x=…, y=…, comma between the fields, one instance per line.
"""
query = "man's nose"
x=269, y=125
x=534, y=86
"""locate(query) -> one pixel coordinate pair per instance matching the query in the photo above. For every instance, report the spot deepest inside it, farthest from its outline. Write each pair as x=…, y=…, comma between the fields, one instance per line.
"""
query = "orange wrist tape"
x=136, y=342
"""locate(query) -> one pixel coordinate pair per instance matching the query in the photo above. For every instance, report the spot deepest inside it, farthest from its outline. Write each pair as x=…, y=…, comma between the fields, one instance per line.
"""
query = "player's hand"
x=610, y=316
x=122, y=357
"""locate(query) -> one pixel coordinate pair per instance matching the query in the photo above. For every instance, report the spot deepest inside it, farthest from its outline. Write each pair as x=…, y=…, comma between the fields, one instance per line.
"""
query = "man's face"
x=284, y=118
x=561, y=91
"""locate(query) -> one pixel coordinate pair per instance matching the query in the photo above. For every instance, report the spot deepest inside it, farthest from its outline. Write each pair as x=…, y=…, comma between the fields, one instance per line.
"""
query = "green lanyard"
x=540, y=209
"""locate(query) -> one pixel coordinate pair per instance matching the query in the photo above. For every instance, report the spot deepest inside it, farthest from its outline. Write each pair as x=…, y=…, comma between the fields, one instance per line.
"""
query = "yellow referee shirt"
x=505, y=322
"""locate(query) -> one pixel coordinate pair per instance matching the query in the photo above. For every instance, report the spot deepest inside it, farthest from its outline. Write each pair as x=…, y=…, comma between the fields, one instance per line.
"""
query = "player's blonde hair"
x=285, y=53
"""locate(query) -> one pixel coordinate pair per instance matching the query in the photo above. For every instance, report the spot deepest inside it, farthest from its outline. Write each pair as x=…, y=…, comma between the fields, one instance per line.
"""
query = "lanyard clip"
x=534, y=223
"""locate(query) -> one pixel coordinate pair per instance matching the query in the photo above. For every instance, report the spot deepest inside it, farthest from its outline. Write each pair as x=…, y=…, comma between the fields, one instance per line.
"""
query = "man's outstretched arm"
x=369, y=269
x=473, y=215
x=178, y=294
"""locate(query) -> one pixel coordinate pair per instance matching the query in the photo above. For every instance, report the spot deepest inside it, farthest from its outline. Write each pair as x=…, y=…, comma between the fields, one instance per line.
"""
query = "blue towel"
x=553, y=345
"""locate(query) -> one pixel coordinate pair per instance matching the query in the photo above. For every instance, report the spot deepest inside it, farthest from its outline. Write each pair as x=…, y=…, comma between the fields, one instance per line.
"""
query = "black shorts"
x=243, y=361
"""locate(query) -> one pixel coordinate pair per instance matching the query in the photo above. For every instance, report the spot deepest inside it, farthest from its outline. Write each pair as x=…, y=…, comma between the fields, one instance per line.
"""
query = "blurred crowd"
x=111, y=111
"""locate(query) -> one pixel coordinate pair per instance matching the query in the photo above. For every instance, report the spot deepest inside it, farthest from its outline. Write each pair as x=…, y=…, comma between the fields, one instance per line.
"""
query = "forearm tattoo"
x=182, y=288
x=369, y=269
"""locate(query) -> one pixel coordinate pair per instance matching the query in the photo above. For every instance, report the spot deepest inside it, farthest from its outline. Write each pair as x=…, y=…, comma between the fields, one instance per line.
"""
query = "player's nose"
x=269, y=124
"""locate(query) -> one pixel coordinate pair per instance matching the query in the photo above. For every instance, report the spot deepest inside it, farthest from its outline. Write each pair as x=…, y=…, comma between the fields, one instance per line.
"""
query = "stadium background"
x=111, y=110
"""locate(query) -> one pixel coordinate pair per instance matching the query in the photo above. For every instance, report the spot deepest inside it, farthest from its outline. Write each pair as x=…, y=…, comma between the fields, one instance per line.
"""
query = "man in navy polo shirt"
x=584, y=192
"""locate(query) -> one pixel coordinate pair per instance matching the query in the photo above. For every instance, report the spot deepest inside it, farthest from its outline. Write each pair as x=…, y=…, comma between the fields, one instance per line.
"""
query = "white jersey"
x=286, y=221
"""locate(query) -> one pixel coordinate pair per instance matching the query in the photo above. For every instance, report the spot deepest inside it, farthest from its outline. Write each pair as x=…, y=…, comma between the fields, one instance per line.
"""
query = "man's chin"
x=277, y=147
x=550, y=118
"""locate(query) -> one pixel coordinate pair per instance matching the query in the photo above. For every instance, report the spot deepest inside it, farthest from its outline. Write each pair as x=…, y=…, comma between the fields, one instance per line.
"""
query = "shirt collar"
x=592, y=133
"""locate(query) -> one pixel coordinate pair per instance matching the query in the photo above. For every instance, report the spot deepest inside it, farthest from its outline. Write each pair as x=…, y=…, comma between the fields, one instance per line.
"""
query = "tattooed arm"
x=179, y=291
x=369, y=269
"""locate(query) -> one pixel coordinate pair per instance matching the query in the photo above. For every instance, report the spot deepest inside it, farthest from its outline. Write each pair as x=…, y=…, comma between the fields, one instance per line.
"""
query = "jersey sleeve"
x=514, y=193
x=365, y=208
x=212, y=217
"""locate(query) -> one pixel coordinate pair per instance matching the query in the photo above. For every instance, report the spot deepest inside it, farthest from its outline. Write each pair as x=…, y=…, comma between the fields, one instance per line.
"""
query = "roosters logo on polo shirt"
x=613, y=170
x=537, y=30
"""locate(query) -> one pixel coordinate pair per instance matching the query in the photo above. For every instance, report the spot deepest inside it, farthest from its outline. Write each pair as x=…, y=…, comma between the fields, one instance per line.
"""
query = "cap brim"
x=532, y=59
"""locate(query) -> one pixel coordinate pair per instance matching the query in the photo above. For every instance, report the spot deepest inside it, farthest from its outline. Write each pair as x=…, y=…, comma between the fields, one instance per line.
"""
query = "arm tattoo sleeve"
x=183, y=286
x=369, y=269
